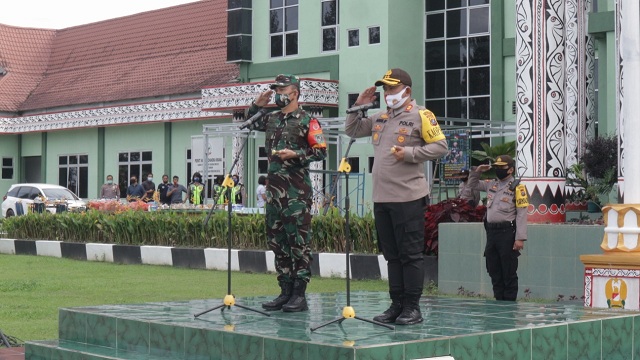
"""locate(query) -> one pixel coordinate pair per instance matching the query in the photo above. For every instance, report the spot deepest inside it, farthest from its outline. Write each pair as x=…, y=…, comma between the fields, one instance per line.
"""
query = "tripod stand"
x=229, y=300
x=348, y=311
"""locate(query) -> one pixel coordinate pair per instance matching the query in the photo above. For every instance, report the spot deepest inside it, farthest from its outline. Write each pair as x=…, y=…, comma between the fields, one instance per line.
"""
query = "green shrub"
x=168, y=228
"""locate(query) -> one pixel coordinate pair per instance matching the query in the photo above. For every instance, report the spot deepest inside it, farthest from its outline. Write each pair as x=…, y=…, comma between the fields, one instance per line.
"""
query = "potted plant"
x=593, y=176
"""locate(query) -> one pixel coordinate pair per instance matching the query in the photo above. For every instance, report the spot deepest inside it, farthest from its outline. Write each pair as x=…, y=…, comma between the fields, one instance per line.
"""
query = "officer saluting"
x=505, y=223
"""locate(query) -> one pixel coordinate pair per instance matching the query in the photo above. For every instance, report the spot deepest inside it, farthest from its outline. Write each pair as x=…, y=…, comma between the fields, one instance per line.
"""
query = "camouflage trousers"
x=288, y=235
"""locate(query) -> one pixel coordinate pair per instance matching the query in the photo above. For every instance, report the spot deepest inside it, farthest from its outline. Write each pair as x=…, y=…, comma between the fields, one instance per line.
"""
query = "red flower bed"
x=453, y=210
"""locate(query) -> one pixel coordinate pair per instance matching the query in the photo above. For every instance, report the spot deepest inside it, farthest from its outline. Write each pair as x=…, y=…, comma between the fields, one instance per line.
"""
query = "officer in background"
x=293, y=139
x=465, y=192
x=403, y=137
x=505, y=223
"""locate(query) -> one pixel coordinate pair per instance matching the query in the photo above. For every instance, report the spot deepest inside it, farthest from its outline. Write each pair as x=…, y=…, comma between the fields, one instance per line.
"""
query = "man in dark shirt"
x=149, y=187
x=162, y=190
x=175, y=192
x=135, y=191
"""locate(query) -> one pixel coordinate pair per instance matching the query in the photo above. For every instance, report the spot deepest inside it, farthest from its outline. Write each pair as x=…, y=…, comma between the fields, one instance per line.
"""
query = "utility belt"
x=499, y=225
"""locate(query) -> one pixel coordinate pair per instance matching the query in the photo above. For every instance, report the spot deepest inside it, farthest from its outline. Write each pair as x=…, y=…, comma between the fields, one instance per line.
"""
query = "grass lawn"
x=33, y=288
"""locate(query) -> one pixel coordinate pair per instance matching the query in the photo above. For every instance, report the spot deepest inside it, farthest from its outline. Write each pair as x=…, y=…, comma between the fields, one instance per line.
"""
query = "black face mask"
x=502, y=173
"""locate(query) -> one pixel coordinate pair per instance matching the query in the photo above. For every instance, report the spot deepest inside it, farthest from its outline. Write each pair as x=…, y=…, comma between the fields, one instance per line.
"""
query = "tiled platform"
x=462, y=328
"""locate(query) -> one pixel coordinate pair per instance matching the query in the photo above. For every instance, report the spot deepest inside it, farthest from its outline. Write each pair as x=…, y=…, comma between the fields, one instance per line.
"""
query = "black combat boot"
x=390, y=315
x=298, y=302
x=283, y=298
x=411, y=311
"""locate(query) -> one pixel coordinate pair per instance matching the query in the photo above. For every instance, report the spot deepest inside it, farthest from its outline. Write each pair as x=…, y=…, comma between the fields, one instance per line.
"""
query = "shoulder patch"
x=431, y=131
x=522, y=199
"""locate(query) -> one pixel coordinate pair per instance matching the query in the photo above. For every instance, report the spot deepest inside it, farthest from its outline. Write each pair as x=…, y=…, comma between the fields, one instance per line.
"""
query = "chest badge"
x=403, y=131
x=376, y=136
x=378, y=127
x=401, y=139
x=408, y=108
x=384, y=116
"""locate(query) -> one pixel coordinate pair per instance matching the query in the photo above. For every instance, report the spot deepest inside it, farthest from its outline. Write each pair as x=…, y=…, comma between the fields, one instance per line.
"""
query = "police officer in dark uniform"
x=505, y=223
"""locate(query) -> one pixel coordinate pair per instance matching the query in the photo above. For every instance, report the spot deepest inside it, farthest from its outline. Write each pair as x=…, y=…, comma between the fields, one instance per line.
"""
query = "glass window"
x=457, y=68
x=354, y=37
x=7, y=168
x=457, y=53
x=431, y=5
x=329, y=25
x=479, y=108
x=479, y=50
x=435, y=26
x=434, y=55
x=457, y=23
x=452, y=4
x=479, y=81
x=329, y=13
x=292, y=44
x=374, y=35
x=136, y=165
x=434, y=83
x=73, y=173
x=437, y=107
x=283, y=27
x=457, y=108
x=456, y=83
x=479, y=20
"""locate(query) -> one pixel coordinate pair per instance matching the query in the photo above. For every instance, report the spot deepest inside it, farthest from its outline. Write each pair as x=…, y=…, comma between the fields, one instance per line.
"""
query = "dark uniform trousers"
x=502, y=260
x=400, y=228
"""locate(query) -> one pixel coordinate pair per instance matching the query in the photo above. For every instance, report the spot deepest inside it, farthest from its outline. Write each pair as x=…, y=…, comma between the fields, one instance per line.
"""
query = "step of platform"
x=462, y=328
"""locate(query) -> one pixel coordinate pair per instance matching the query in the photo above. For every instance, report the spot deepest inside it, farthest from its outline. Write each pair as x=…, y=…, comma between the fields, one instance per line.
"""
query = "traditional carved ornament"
x=109, y=116
x=313, y=92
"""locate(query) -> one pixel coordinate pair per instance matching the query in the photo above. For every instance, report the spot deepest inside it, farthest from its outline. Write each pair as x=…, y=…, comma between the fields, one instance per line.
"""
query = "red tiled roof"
x=24, y=54
x=170, y=51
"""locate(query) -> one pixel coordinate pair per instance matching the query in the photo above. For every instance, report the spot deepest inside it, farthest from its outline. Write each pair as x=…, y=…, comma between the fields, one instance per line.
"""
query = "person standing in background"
x=505, y=224
x=149, y=188
x=162, y=190
x=110, y=190
x=261, y=192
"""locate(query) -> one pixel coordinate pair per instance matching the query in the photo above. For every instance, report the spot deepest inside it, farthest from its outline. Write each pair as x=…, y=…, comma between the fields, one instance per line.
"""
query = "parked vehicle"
x=52, y=197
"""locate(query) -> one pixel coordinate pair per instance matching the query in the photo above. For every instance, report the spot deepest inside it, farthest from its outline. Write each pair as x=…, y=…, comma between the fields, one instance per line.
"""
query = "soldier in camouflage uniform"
x=293, y=139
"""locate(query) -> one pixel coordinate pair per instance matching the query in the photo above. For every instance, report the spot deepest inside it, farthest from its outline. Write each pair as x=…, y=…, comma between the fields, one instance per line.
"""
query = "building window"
x=283, y=20
x=457, y=59
x=354, y=37
x=7, y=168
x=134, y=163
x=330, y=23
x=374, y=35
x=189, y=173
x=73, y=173
x=370, y=164
x=263, y=161
x=239, y=29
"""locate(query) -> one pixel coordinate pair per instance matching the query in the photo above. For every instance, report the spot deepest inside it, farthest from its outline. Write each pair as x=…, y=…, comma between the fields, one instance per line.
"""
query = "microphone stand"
x=348, y=312
x=229, y=300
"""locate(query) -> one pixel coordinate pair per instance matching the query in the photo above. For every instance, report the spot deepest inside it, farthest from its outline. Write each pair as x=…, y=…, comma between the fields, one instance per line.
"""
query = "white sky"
x=59, y=14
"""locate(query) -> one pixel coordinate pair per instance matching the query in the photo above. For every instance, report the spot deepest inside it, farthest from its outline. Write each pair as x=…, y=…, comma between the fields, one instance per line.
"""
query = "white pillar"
x=630, y=50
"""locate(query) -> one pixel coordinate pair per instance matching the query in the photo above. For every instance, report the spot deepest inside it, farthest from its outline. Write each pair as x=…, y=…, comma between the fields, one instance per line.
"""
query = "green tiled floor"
x=462, y=328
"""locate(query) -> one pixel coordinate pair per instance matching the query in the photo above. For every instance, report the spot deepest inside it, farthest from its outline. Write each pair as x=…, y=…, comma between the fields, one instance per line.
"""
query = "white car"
x=50, y=195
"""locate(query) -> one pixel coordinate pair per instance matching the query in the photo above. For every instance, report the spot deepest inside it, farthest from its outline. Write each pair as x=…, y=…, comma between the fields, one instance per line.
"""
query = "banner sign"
x=458, y=157
x=214, y=153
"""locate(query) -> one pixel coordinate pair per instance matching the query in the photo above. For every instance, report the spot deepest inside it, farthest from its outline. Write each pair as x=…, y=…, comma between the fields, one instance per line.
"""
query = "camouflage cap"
x=285, y=80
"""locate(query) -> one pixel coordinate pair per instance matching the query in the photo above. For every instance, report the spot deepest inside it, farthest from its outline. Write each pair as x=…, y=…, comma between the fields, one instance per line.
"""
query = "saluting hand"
x=367, y=96
x=264, y=98
x=482, y=168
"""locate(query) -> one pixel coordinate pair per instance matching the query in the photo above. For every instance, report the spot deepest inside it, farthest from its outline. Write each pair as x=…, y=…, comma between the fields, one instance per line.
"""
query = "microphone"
x=364, y=107
x=254, y=118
